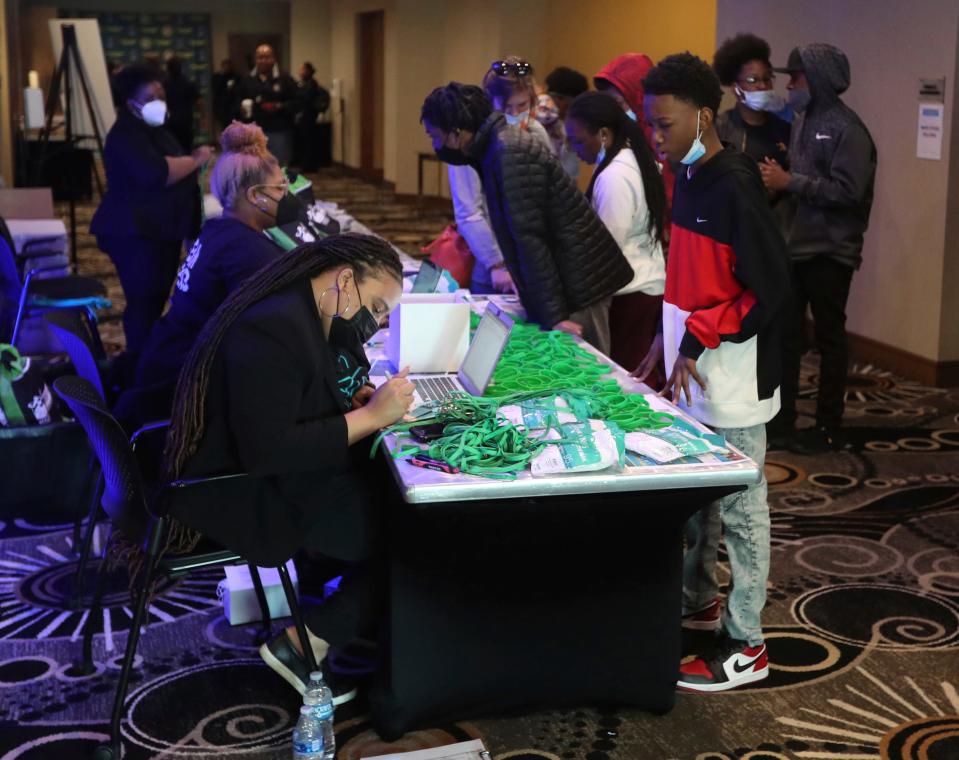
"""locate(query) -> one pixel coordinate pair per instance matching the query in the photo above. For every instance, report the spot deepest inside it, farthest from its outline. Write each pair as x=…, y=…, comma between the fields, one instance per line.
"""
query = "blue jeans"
x=743, y=518
x=280, y=144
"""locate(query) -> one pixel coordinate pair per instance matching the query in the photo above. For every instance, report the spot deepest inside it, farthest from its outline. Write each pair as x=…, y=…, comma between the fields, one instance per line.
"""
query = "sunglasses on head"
x=515, y=68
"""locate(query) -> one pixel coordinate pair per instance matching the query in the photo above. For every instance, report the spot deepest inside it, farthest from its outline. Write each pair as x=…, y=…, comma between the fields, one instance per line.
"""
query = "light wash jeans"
x=743, y=518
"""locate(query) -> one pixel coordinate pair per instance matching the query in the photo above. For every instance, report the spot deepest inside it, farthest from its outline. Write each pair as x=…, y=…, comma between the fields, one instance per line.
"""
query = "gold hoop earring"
x=335, y=314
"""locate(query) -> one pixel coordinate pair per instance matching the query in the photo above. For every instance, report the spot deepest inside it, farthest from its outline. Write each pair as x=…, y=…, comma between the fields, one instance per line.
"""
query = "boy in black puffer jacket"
x=564, y=262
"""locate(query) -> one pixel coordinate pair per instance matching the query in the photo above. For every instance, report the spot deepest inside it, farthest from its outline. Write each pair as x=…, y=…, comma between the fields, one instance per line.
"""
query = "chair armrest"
x=185, y=483
x=35, y=243
x=150, y=427
x=38, y=270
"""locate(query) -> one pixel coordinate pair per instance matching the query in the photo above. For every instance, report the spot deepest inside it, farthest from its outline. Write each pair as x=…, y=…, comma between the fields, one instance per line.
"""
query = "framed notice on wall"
x=131, y=37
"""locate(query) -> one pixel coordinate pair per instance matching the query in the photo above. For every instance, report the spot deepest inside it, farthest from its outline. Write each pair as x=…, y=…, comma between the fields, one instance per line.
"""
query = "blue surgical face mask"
x=631, y=114
x=518, y=120
x=799, y=99
x=697, y=150
x=763, y=100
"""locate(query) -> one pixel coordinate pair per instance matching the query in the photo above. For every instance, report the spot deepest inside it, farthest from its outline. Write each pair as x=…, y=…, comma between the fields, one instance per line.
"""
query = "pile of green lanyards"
x=536, y=363
x=475, y=440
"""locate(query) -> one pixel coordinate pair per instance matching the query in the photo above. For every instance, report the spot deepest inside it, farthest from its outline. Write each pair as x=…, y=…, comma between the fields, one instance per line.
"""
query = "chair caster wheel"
x=105, y=752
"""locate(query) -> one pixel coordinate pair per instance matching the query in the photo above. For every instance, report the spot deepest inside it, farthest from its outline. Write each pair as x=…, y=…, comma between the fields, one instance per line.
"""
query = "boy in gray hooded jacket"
x=832, y=174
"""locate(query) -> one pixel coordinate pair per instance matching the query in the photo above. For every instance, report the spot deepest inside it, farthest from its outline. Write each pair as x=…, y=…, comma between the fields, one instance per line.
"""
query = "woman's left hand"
x=362, y=396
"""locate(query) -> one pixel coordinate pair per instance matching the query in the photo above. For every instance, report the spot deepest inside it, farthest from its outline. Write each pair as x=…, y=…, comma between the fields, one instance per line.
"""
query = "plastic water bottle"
x=322, y=710
x=308, y=737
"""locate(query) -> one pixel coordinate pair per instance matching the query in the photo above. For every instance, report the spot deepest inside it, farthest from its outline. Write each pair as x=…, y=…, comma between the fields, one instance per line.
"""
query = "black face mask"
x=452, y=156
x=352, y=333
x=290, y=209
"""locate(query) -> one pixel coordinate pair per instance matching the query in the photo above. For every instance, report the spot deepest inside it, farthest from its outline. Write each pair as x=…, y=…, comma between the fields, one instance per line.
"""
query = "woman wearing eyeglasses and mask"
x=753, y=125
x=248, y=182
x=270, y=390
x=152, y=202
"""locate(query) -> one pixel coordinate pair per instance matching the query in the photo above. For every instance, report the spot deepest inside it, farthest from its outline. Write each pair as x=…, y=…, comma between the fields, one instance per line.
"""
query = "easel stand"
x=70, y=63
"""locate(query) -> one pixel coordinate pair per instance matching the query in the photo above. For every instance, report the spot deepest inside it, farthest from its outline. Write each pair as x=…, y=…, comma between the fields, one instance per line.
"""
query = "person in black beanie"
x=832, y=175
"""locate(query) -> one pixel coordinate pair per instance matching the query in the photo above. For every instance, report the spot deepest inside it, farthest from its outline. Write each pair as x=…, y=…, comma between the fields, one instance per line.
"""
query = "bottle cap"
x=316, y=675
x=306, y=710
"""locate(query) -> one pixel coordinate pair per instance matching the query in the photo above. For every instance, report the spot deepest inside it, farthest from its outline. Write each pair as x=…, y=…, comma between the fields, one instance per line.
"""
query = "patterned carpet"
x=862, y=620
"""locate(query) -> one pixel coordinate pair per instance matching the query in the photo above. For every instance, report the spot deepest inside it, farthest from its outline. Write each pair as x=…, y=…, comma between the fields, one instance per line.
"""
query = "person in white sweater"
x=627, y=192
x=510, y=87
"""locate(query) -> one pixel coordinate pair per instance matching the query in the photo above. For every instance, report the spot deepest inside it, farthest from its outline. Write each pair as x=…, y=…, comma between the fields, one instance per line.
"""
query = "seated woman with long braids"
x=275, y=387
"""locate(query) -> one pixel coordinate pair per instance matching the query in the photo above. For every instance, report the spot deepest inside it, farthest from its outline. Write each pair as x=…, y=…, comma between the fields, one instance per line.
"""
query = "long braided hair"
x=365, y=254
x=595, y=110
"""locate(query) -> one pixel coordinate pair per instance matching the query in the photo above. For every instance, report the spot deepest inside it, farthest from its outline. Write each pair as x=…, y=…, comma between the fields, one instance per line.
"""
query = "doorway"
x=371, y=93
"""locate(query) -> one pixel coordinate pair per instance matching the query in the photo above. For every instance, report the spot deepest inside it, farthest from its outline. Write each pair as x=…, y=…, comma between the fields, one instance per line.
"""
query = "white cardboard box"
x=429, y=333
x=240, y=605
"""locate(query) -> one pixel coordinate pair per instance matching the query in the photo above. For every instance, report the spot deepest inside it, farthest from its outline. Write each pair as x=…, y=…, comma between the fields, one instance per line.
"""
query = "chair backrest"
x=73, y=331
x=10, y=284
x=123, y=493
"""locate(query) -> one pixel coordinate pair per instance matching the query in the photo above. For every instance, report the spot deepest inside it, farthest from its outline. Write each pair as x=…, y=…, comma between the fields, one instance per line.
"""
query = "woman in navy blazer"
x=152, y=202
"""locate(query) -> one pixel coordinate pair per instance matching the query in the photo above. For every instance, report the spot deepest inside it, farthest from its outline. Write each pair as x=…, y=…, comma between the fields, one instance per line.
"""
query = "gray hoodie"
x=833, y=165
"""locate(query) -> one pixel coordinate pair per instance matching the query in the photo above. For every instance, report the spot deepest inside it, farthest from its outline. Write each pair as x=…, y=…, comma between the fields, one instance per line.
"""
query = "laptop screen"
x=484, y=351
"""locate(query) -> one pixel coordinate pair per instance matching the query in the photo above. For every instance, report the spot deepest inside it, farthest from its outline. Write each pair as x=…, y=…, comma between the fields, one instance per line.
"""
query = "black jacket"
x=274, y=99
x=559, y=253
x=833, y=165
x=137, y=202
x=273, y=410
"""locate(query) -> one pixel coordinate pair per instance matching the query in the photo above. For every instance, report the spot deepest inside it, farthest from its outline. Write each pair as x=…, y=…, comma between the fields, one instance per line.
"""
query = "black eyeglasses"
x=753, y=79
x=515, y=68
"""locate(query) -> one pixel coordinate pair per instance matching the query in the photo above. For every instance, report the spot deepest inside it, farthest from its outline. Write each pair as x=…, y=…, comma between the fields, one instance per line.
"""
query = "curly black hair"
x=131, y=78
x=566, y=81
x=456, y=106
x=736, y=51
x=687, y=77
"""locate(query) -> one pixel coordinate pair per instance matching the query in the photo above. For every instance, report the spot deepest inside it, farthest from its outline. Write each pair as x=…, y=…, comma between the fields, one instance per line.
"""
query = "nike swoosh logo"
x=737, y=668
x=823, y=137
x=700, y=221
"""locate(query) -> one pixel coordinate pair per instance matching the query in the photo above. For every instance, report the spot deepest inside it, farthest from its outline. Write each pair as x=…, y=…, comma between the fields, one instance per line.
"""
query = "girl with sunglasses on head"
x=509, y=85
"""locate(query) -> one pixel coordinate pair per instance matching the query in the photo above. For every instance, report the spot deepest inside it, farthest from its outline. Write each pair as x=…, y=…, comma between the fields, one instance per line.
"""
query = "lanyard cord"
x=535, y=367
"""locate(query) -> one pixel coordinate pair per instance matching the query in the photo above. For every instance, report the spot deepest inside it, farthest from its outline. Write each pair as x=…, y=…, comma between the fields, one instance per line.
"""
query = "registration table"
x=539, y=592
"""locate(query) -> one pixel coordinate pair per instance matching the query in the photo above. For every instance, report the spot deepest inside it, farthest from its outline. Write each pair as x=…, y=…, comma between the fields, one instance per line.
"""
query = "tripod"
x=70, y=63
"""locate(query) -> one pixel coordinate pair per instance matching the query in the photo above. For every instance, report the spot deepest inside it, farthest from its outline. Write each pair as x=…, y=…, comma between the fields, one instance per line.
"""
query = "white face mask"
x=518, y=120
x=763, y=100
x=697, y=150
x=154, y=113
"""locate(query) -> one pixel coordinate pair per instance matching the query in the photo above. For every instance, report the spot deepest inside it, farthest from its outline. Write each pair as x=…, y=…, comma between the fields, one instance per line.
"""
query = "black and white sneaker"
x=734, y=664
x=282, y=658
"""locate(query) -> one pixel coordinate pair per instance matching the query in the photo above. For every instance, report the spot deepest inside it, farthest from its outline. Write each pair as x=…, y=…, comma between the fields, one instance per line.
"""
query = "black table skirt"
x=528, y=604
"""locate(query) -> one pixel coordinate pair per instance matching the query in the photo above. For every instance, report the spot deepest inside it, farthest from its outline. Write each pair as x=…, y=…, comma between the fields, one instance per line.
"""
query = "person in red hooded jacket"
x=622, y=78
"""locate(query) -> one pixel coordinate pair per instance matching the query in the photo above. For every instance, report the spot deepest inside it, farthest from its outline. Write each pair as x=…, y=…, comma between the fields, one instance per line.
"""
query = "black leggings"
x=147, y=268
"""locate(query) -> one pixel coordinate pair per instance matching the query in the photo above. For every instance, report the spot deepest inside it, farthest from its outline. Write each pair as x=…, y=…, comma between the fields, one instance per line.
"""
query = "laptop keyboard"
x=435, y=388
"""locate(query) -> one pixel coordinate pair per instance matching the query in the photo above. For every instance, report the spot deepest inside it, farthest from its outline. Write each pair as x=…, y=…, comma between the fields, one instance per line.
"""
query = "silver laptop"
x=476, y=371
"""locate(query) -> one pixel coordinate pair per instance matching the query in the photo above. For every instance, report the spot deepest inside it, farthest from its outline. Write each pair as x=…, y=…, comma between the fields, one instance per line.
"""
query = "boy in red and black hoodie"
x=726, y=282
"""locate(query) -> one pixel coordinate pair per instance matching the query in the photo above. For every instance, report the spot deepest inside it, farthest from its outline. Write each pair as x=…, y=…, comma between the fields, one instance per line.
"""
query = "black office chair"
x=146, y=522
x=33, y=293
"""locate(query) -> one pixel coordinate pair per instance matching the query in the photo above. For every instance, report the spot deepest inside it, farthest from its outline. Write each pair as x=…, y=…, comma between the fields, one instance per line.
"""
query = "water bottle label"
x=324, y=712
x=307, y=746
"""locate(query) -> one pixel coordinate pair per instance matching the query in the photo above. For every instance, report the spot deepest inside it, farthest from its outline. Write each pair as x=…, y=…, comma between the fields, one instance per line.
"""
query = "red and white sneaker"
x=734, y=665
x=706, y=619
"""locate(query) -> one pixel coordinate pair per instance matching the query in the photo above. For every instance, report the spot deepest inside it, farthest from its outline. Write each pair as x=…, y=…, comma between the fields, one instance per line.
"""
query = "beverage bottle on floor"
x=322, y=710
x=308, y=737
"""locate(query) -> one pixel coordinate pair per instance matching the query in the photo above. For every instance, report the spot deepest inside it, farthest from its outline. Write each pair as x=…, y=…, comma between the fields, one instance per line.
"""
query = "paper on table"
x=472, y=750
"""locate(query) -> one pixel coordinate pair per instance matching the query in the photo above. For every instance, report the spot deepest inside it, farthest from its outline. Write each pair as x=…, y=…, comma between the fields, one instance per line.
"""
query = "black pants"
x=823, y=284
x=147, y=269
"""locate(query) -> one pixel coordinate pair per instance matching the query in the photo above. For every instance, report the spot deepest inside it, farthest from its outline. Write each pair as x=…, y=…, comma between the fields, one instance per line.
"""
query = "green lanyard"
x=12, y=367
